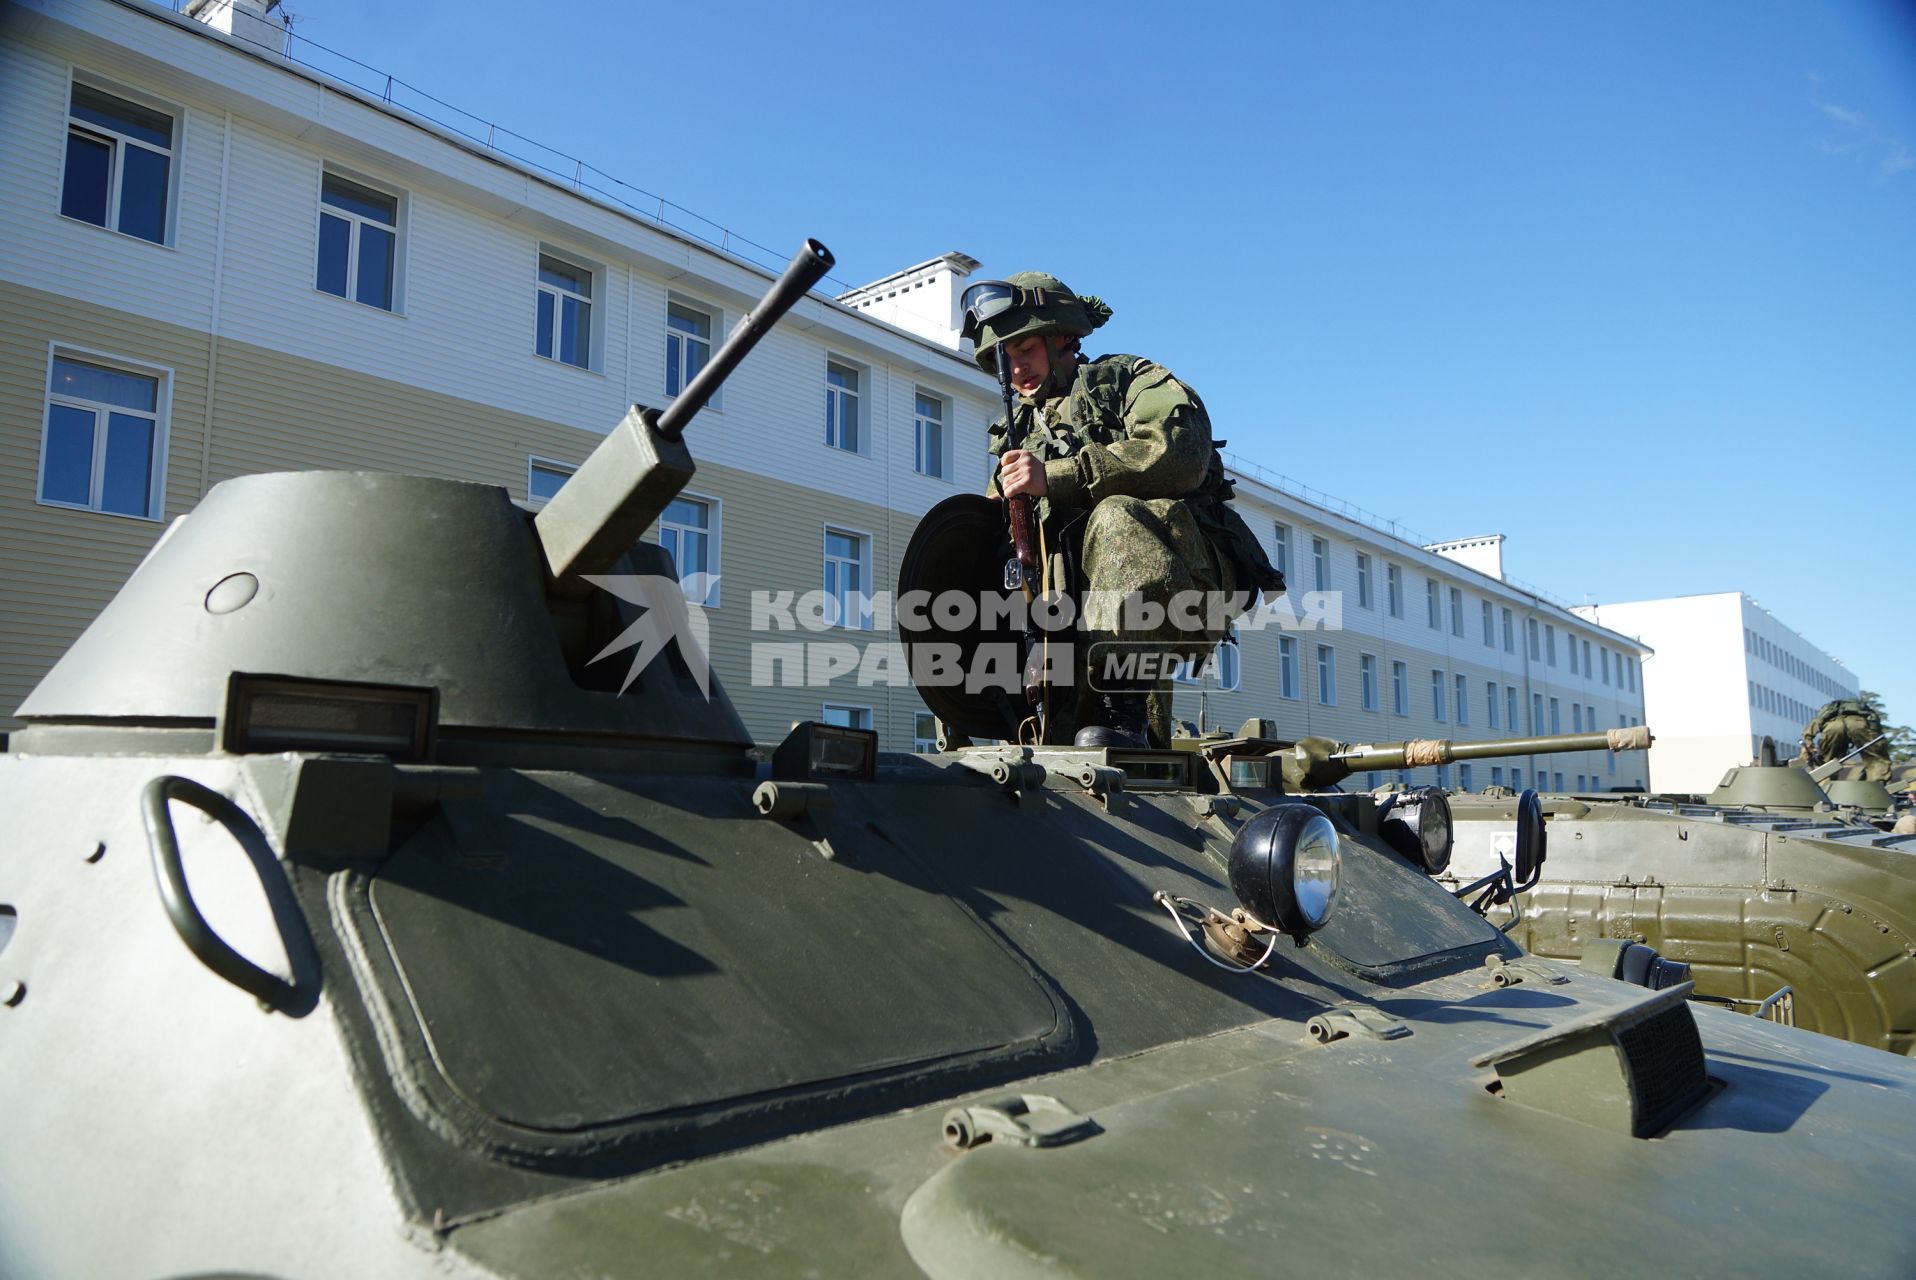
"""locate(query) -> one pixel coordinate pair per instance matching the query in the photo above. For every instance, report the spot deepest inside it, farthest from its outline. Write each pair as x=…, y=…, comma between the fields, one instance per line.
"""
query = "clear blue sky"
x=1632, y=283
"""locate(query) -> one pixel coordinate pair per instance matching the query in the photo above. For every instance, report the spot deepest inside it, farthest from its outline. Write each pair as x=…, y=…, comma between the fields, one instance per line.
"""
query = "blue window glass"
x=128, y=482
x=143, y=194
x=363, y=201
x=69, y=456
x=574, y=340
x=375, y=266
x=545, y=324
x=335, y=244
x=89, y=171
x=121, y=116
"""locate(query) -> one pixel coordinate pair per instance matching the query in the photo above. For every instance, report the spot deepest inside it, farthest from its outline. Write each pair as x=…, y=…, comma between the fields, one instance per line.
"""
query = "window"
x=1510, y=638
x=1436, y=695
x=1516, y=779
x=1550, y=644
x=1556, y=717
x=1606, y=666
x=1463, y=777
x=119, y=169
x=1463, y=700
x=1363, y=582
x=689, y=532
x=1576, y=717
x=1230, y=668
x=1456, y=612
x=1287, y=666
x=846, y=717
x=358, y=242
x=563, y=303
x=931, y=452
x=1530, y=631
x=841, y=406
x=1496, y=775
x=1580, y=782
x=1394, y=589
x=1490, y=626
x=1433, y=606
x=104, y=448
x=1510, y=707
x=1321, y=564
x=1367, y=680
x=1400, y=688
x=1326, y=676
x=1443, y=776
x=847, y=570
x=1586, y=659
x=688, y=344
x=544, y=478
x=1281, y=543
x=1490, y=704
x=1536, y=714
x=1570, y=643
x=1559, y=782
x=1632, y=669
x=924, y=732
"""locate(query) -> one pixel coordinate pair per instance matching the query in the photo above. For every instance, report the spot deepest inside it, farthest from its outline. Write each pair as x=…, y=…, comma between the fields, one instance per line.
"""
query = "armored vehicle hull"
x=618, y=1022
x=1752, y=899
x=355, y=920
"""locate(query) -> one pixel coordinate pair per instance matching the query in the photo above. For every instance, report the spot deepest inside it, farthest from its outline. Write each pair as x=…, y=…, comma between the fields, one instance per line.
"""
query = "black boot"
x=1117, y=719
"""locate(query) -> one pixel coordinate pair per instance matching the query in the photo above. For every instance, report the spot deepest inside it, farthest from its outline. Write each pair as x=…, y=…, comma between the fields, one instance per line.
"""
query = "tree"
x=1899, y=738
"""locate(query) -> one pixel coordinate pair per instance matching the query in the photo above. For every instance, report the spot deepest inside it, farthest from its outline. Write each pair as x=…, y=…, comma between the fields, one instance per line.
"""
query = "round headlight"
x=1284, y=868
x=1418, y=826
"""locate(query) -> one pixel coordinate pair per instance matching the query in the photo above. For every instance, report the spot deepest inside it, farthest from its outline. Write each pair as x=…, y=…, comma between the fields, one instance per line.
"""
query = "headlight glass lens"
x=1314, y=870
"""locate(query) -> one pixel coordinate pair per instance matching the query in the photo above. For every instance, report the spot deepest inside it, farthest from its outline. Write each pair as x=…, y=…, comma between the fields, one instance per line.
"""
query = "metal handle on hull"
x=213, y=951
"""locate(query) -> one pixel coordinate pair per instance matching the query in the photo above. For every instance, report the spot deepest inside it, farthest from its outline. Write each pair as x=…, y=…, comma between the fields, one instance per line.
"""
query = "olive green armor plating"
x=1763, y=885
x=353, y=922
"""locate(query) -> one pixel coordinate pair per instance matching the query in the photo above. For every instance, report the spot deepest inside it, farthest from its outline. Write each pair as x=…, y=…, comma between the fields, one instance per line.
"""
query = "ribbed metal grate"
x=1665, y=1057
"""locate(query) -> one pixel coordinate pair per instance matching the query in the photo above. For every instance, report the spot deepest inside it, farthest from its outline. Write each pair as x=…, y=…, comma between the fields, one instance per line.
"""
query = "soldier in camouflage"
x=1128, y=484
x=1841, y=727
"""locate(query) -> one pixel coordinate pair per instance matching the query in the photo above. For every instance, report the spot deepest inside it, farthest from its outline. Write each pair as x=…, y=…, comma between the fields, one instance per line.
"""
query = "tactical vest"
x=1093, y=413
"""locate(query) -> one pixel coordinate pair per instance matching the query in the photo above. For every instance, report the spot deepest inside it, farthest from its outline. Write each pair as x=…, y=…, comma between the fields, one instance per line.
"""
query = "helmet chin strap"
x=1060, y=373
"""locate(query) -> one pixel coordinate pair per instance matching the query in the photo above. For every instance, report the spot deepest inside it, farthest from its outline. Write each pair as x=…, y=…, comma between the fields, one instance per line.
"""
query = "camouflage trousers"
x=1844, y=734
x=1149, y=581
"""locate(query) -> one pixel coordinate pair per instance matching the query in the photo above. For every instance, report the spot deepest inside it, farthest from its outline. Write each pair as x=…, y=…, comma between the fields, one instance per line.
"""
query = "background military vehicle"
x=1763, y=884
x=356, y=924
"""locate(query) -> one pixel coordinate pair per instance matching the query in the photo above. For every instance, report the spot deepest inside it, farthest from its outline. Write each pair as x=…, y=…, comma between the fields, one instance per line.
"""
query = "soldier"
x=1841, y=727
x=1128, y=485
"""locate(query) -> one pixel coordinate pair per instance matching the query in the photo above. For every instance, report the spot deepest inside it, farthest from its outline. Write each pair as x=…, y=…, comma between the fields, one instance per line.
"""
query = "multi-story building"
x=1395, y=641
x=1726, y=674
x=222, y=261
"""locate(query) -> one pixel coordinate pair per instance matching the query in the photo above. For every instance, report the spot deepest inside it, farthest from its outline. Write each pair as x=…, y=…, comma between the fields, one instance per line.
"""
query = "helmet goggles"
x=989, y=298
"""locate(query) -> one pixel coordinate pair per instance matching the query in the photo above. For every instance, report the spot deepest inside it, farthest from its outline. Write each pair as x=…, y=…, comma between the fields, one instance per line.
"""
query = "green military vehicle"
x=357, y=924
x=1778, y=897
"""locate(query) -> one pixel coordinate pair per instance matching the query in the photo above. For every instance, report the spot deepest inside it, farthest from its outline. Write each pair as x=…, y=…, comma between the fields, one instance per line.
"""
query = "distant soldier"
x=1843, y=726
x=1127, y=480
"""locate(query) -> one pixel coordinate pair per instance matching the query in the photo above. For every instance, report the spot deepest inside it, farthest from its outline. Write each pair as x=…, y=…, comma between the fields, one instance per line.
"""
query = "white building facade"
x=220, y=262
x=1725, y=674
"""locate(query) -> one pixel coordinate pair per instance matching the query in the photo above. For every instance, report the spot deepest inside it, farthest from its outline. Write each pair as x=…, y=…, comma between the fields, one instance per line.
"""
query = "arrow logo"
x=664, y=618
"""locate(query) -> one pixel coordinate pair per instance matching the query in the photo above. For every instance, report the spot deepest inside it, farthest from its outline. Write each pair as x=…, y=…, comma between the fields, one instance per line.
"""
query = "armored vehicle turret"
x=355, y=922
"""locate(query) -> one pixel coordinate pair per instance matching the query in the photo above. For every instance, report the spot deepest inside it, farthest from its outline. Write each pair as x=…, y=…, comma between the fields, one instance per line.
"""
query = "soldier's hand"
x=1020, y=472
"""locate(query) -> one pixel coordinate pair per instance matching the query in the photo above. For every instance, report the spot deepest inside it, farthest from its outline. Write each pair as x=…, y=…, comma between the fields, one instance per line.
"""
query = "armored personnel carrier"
x=356, y=925
x=1764, y=886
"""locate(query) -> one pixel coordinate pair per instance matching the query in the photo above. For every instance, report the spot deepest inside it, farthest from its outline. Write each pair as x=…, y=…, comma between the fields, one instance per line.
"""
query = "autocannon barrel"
x=638, y=469
x=1422, y=752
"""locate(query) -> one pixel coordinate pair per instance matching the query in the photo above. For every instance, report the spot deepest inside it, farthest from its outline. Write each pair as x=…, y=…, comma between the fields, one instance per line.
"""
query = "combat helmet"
x=1029, y=302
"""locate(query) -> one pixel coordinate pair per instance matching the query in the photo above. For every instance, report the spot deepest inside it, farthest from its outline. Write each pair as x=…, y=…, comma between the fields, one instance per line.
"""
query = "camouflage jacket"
x=1128, y=428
